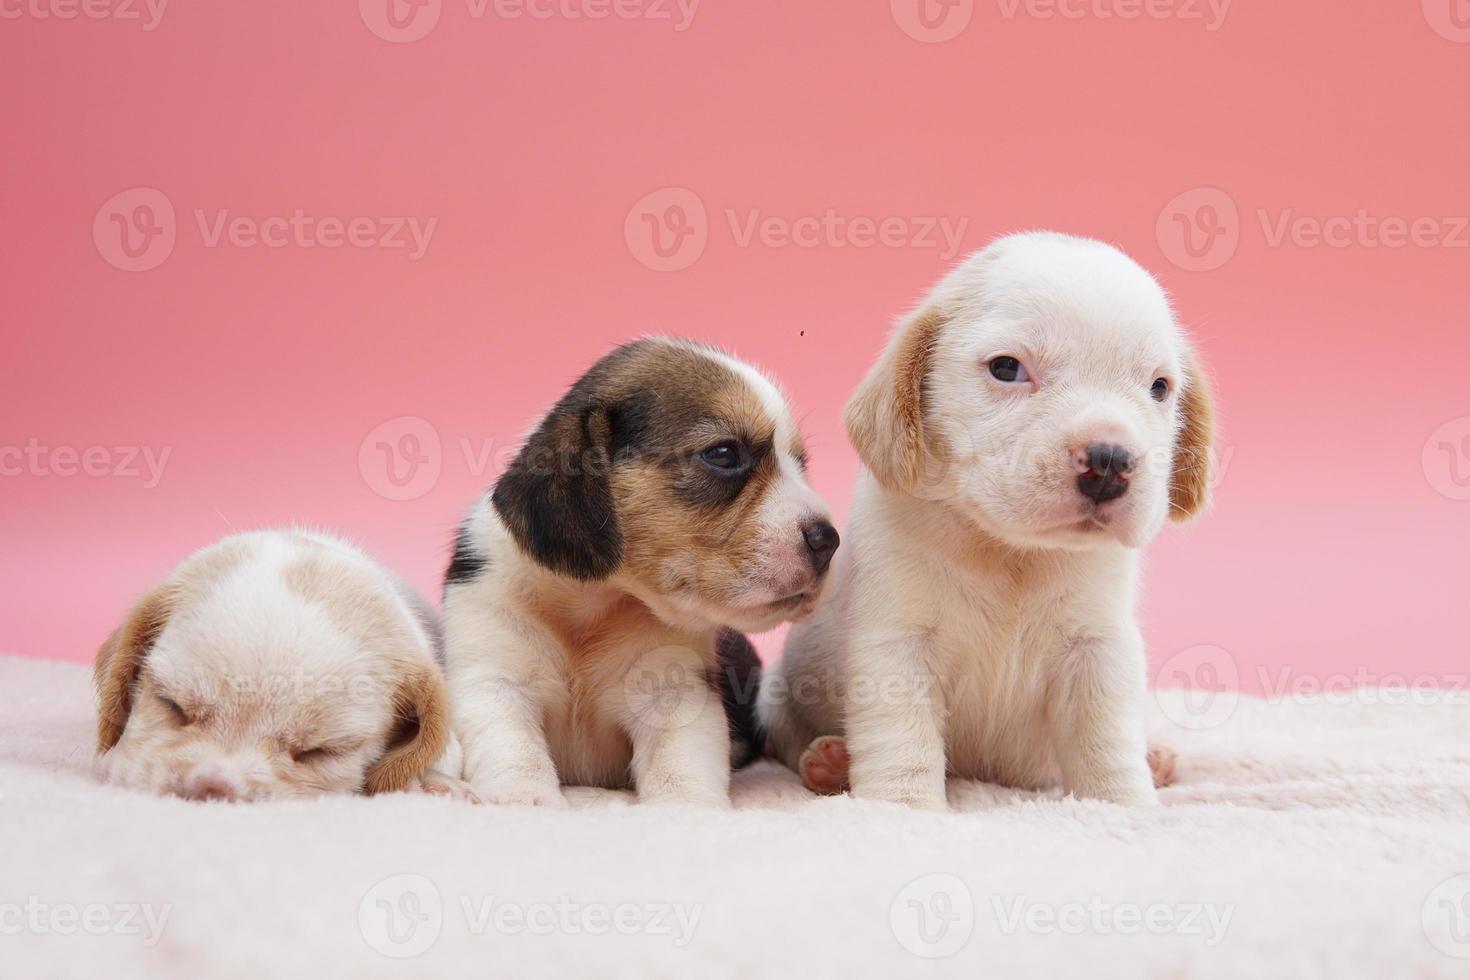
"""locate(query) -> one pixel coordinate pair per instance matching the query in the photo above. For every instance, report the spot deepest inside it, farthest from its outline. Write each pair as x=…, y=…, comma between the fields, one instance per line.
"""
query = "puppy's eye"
x=727, y=456
x=1009, y=370
x=312, y=755
x=1160, y=389
x=179, y=714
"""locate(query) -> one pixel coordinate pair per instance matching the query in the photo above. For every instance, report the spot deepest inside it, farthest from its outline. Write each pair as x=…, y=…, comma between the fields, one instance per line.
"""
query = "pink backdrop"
x=1295, y=172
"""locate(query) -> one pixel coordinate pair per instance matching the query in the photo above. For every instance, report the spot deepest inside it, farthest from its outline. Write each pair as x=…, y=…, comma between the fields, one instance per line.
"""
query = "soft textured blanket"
x=1321, y=839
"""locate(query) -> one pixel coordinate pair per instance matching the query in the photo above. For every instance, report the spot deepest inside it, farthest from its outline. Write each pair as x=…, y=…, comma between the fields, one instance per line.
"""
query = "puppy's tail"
x=738, y=674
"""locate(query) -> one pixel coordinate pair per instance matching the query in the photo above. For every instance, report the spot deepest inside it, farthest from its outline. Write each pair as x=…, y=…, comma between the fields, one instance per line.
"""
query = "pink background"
x=1337, y=542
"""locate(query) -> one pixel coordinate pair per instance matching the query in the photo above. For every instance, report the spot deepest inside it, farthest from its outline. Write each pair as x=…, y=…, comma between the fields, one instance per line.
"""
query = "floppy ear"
x=420, y=729
x=1189, y=487
x=121, y=657
x=556, y=497
x=885, y=416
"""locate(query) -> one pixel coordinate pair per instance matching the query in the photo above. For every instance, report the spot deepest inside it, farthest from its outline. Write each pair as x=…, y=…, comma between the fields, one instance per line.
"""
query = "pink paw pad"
x=1161, y=762
x=824, y=765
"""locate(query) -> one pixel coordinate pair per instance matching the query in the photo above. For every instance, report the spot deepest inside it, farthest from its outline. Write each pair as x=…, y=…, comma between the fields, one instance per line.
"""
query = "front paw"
x=437, y=784
x=1136, y=790
x=912, y=795
x=521, y=793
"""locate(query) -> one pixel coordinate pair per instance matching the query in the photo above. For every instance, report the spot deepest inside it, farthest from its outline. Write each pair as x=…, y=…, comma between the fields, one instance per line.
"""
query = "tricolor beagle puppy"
x=592, y=601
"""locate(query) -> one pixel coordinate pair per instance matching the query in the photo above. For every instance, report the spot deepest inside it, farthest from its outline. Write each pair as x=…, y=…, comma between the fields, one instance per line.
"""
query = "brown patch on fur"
x=121, y=657
x=353, y=599
x=885, y=417
x=1189, y=488
x=420, y=731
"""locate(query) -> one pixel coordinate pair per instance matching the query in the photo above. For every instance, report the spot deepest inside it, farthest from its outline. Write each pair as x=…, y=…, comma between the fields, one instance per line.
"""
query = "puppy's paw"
x=823, y=766
x=438, y=784
x=519, y=793
x=711, y=798
x=1161, y=762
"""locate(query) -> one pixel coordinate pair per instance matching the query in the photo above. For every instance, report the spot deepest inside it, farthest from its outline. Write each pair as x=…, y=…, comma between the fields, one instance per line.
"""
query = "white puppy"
x=275, y=664
x=663, y=498
x=1030, y=426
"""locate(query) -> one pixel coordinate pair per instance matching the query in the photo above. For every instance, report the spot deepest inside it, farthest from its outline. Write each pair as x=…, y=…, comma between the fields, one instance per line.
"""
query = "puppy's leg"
x=443, y=777
x=499, y=670
x=1097, y=720
x=894, y=736
x=676, y=722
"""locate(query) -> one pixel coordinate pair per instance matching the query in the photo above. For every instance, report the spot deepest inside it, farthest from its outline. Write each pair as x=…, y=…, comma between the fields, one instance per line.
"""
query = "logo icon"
x=933, y=916
x=666, y=689
x=668, y=229
x=1198, y=687
x=1199, y=230
x=401, y=916
x=1446, y=459
x=932, y=21
x=135, y=230
x=402, y=458
x=1449, y=18
x=400, y=21
x=1446, y=917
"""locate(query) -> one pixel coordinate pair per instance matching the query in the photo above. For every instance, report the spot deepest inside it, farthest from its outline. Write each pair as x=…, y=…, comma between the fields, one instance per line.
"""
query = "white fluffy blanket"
x=1300, y=840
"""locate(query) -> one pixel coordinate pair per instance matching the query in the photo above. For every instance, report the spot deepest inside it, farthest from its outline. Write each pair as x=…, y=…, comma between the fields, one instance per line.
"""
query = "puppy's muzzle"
x=822, y=540
x=1104, y=472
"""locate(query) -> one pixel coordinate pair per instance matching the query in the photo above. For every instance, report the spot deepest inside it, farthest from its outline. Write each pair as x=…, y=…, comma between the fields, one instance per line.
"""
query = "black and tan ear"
x=885, y=416
x=121, y=658
x=556, y=497
x=420, y=728
x=1189, y=486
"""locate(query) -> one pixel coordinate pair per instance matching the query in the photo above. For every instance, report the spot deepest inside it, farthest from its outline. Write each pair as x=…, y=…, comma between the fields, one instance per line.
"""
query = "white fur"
x=981, y=622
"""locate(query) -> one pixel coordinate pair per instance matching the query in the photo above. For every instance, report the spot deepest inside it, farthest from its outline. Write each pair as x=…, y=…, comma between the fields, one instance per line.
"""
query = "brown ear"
x=885, y=416
x=1189, y=488
x=420, y=729
x=119, y=660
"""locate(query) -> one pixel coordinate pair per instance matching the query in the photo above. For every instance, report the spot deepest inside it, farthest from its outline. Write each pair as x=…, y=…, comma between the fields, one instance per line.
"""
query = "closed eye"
x=318, y=754
x=176, y=711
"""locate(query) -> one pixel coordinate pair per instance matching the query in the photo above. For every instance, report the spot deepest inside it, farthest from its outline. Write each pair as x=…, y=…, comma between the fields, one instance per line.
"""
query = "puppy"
x=662, y=499
x=1027, y=429
x=272, y=665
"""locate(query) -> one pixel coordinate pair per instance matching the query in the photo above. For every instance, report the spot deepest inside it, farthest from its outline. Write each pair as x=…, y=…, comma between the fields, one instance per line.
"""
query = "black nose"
x=822, y=540
x=1106, y=477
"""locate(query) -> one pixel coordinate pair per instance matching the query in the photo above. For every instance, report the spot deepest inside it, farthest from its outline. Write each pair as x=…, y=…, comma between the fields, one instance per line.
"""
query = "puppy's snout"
x=1103, y=470
x=822, y=540
x=210, y=783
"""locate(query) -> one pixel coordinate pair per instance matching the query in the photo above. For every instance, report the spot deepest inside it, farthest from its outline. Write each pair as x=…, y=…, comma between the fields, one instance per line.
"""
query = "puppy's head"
x=1044, y=390
x=269, y=666
x=676, y=472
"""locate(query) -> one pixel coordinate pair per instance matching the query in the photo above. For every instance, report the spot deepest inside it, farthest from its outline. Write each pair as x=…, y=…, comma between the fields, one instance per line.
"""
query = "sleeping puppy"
x=662, y=499
x=1027, y=429
x=274, y=664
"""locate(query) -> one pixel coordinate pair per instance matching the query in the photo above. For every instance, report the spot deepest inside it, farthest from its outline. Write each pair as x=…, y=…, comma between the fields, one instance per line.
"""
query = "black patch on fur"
x=738, y=671
x=467, y=562
x=556, y=497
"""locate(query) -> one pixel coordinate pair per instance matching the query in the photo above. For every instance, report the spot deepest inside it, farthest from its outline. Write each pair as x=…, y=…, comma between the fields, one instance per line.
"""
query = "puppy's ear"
x=121, y=657
x=556, y=498
x=420, y=728
x=1189, y=487
x=885, y=416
